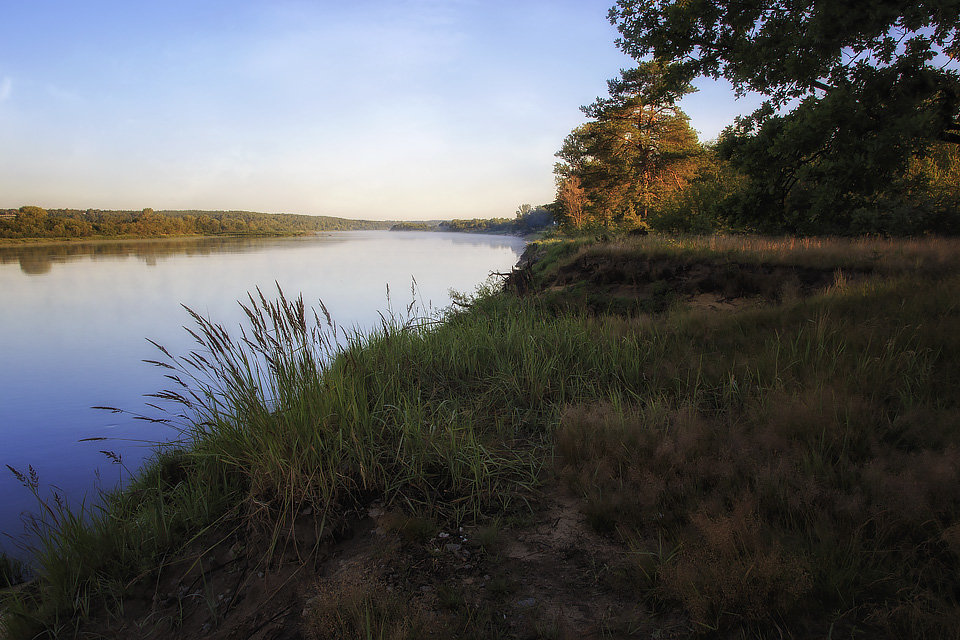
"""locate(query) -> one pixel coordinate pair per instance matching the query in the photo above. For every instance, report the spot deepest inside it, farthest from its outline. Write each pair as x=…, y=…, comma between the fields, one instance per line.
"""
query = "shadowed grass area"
x=363, y=609
x=11, y=571
x=86, y=555
x=792, y=467
x=939, y=255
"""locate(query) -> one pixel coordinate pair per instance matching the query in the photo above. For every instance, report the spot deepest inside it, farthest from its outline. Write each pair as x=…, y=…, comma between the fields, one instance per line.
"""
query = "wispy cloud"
x=6, y=88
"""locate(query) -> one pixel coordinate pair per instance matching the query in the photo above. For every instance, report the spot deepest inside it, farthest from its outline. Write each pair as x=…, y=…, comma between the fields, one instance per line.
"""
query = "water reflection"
x=75, y=319
x=38, y=259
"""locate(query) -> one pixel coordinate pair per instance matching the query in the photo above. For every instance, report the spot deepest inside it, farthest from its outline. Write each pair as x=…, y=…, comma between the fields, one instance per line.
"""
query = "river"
x=76, y=318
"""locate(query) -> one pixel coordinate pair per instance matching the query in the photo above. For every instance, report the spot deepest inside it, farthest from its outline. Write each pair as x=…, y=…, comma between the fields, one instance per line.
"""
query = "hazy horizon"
x=403, y=110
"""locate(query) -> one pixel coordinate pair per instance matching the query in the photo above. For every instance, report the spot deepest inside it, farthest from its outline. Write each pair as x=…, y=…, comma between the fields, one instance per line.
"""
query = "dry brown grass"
x=887, y=256
x=729, y=568
x=796, y=467
x=352, y=606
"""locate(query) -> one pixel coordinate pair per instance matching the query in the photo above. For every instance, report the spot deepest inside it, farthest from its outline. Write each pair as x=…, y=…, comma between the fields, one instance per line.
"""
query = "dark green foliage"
x=479, y=225
x=857, y=183
x=789, y=49
x=411, y=226
x=528, y=220
x=856, y=92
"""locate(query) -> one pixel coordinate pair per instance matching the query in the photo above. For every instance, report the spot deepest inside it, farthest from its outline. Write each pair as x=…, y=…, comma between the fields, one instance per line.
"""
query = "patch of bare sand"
x=560, y=564
x=550, y=575
x=716, y=302
x=547, y=577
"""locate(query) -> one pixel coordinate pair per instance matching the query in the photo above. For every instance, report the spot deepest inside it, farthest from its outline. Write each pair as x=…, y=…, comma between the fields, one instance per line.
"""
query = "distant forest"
x=528, y=219
x=35, y=222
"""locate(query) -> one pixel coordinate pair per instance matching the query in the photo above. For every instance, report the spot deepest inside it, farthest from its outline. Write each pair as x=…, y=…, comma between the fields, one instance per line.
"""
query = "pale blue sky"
x=398, y=109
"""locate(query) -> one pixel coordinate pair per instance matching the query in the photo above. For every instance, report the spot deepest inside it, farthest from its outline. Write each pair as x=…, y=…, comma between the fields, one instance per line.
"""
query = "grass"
x=86, y=555
x=800, y=462
x=362, y=609
x=790, y=467
x=11, y=571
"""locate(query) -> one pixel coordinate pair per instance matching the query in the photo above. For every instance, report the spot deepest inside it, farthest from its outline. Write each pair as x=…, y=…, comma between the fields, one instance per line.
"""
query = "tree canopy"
x=789, y=49
x=637, y=148
x=855, y=91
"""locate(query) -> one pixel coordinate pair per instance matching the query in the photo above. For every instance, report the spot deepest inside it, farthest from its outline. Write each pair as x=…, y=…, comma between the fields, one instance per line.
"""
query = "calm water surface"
x=75, y=318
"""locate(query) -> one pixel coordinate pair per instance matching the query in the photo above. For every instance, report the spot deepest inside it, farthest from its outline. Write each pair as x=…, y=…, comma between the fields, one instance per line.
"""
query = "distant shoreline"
x=40, y=242
x=50, y=242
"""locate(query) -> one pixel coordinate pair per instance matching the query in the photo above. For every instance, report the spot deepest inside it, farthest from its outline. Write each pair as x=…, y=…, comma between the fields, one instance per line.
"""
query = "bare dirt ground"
x=545, y=575
x=630, y=284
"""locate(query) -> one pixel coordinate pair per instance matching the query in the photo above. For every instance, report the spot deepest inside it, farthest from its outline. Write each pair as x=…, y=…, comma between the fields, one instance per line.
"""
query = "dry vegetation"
x=626, y=467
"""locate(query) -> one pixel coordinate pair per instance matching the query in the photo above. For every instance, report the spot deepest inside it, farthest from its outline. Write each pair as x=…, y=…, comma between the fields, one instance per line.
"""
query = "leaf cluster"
x=786, y=48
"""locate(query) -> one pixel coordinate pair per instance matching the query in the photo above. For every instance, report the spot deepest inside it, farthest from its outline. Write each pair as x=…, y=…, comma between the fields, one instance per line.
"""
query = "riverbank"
x=651, y=436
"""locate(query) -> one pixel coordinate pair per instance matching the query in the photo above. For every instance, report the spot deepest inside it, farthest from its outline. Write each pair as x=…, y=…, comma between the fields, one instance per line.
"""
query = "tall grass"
x=85, y=555
x=11, y=571
x=286, y=414
x=786, y=467
x=308, y=422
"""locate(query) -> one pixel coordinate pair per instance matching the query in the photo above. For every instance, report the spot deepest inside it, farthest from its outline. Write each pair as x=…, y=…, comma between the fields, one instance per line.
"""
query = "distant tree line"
x=35, y=222
x=35, y=259
x=527, y=219
x=860, y=132
x=411, y=226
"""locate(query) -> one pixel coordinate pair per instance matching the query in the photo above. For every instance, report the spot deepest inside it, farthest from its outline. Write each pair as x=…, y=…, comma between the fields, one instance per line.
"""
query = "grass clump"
x=346, y=609
x=11, y=571
x=280, y=419
x=85, y=556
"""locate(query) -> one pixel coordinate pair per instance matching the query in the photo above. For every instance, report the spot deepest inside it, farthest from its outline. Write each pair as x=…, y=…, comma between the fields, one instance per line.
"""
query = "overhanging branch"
x=949, y=136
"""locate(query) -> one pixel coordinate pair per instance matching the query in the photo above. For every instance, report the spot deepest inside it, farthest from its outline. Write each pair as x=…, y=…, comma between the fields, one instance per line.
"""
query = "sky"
x=376, y=109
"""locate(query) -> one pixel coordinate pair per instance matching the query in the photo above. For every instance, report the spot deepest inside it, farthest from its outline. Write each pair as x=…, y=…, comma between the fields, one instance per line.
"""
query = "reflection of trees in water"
x=494, y=240
x=34, y=265
x=488, y=240
x=38, y=259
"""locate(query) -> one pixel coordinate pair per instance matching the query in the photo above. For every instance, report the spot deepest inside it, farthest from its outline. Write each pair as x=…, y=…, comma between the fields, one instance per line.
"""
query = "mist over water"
x=75, y=320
